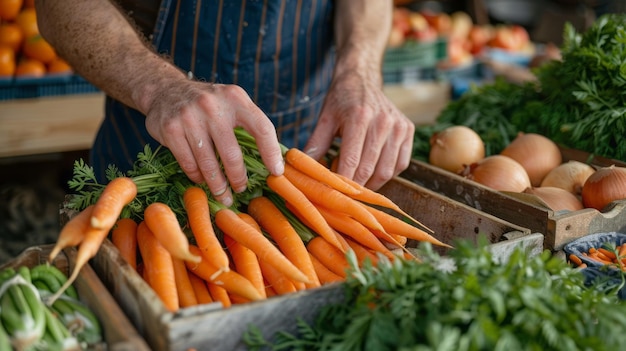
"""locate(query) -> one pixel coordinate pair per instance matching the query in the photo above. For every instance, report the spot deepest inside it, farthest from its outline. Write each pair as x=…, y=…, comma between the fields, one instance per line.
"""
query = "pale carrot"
x=395, y=225
x=311, y=167
x=186, y=293
x=291, y=194
x=73, y=232
x=232, y=281
x=246, y=263
x=158, y=267
x=118, y=193
x=277, y=280
x=200, y=288
x=219, y=294
x=124, y=238
x=328, y=255
x=321, y=194
x=232, y=225
x=265, y=212
x=352, y=228
x=163, y=223
x=325, y=275
x=196, y=204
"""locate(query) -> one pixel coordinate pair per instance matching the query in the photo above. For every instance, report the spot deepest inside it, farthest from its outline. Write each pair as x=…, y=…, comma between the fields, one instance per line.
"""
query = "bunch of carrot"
x=292, y=236
x=604, y=255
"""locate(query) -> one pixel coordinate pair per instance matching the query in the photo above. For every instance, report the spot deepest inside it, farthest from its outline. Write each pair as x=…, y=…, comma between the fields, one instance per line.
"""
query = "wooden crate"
x=211, y=327
x=119, y=332
x=559, y=228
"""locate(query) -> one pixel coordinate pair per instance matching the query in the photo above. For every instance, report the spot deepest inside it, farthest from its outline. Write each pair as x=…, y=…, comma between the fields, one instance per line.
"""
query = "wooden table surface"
x=69, y=122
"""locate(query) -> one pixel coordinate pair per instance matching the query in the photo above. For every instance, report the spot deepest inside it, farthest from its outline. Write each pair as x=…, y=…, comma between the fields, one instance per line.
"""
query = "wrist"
x=146, y=86
x=363, y=61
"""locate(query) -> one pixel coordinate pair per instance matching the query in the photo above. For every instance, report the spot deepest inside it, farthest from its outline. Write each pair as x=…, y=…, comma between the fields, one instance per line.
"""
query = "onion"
x=536, y=153
x=498, y=172
x=570, y=176
x=557, y=199
x=604, y=186
x=455, y=147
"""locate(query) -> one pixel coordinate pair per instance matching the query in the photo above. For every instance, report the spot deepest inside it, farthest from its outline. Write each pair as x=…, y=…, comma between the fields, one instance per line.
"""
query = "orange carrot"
x=219, y=294
x=118, y=193
x=269, y=291
x=186, y=294
x=328, y=255
x=196, y=204
x=575, y=260
x=124, y=237
x=338, y=237
x=622, y=250
x=372, y=197
x=608, y=254
x=73, y=232
x=323, y=195
x=291, y=194
x=265, y=212
x=362, y=253
x=395, y=225
x=232, y=281
x=200, y=288
x=246, y=263
x=163, y=223
x=325, y=275
x=309, y=166
x=232, y=225
x=238, y=300
x=354, y=229
x=276, y=279
x=158, y=266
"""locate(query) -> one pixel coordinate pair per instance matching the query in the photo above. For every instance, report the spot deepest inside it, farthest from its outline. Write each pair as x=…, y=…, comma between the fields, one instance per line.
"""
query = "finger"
x=322, y=137
x=232, y=159
x=264, y=134
x=351, y=150
x=209, y=168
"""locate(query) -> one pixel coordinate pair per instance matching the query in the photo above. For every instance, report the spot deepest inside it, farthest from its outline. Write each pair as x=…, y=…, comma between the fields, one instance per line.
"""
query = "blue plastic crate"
x=50, y=85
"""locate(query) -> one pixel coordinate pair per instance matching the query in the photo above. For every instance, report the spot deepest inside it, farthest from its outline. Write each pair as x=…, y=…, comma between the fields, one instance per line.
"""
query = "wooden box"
x=559, y=228
x=119, y=332
x=210, y=327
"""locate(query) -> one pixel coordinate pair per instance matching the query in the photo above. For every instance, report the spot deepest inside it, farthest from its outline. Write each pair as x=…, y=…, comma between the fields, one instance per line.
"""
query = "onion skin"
x=455, y=147
x=557, y=199
x=536, y=153
x=498, y=172
x=570, y=176
x=604, y=186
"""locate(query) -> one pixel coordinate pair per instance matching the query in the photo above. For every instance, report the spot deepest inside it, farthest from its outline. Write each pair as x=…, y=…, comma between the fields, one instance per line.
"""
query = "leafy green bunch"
x=465, y=301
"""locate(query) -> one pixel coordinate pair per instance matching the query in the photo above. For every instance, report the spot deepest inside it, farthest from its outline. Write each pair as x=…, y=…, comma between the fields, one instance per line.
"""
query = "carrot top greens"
x=467, y=300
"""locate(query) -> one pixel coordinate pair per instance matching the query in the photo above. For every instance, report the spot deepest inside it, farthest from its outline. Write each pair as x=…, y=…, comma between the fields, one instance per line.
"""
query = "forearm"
x=361, y=32
x=102, y=46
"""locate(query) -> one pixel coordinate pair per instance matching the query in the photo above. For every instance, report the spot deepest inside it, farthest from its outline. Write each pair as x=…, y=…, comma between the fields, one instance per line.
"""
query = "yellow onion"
x=455, y=147
x=498, y=172
x=536, y=153
x=557, y=199
x=570, y=176
x=605, y=185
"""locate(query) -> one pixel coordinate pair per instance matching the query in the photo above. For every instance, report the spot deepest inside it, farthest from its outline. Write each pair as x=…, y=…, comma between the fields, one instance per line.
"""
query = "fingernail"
x=227, y=201
x=279, y=168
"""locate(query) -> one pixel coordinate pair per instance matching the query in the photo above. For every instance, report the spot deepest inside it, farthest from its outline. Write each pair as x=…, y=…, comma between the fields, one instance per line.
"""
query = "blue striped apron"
x=279, y=51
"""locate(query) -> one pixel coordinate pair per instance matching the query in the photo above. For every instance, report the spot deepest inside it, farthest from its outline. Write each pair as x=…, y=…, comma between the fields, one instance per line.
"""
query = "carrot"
x=196, y=204
x=277, y=280
x=238, y=300
x=200, y=288
x=622, y=250
x=338, y=237
x=246, y=263
x=311, y=167
x=354, y=229
x=232, y=225
x=608, y=254
x=163, y=223
x=328, y=255
x=219, y=294
x=118, y=193
x=158, y=267
x=72, y=233
x=372, y=197
x=269, y=291
x=291, y=194
x=186, y=293
x=87, y=249
x=265, y=212
x=575, y=260
x=232, y=281
x=395, y=225
x=323, y=195
x=325, y=275
x=362, y=253
x=124, y=237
